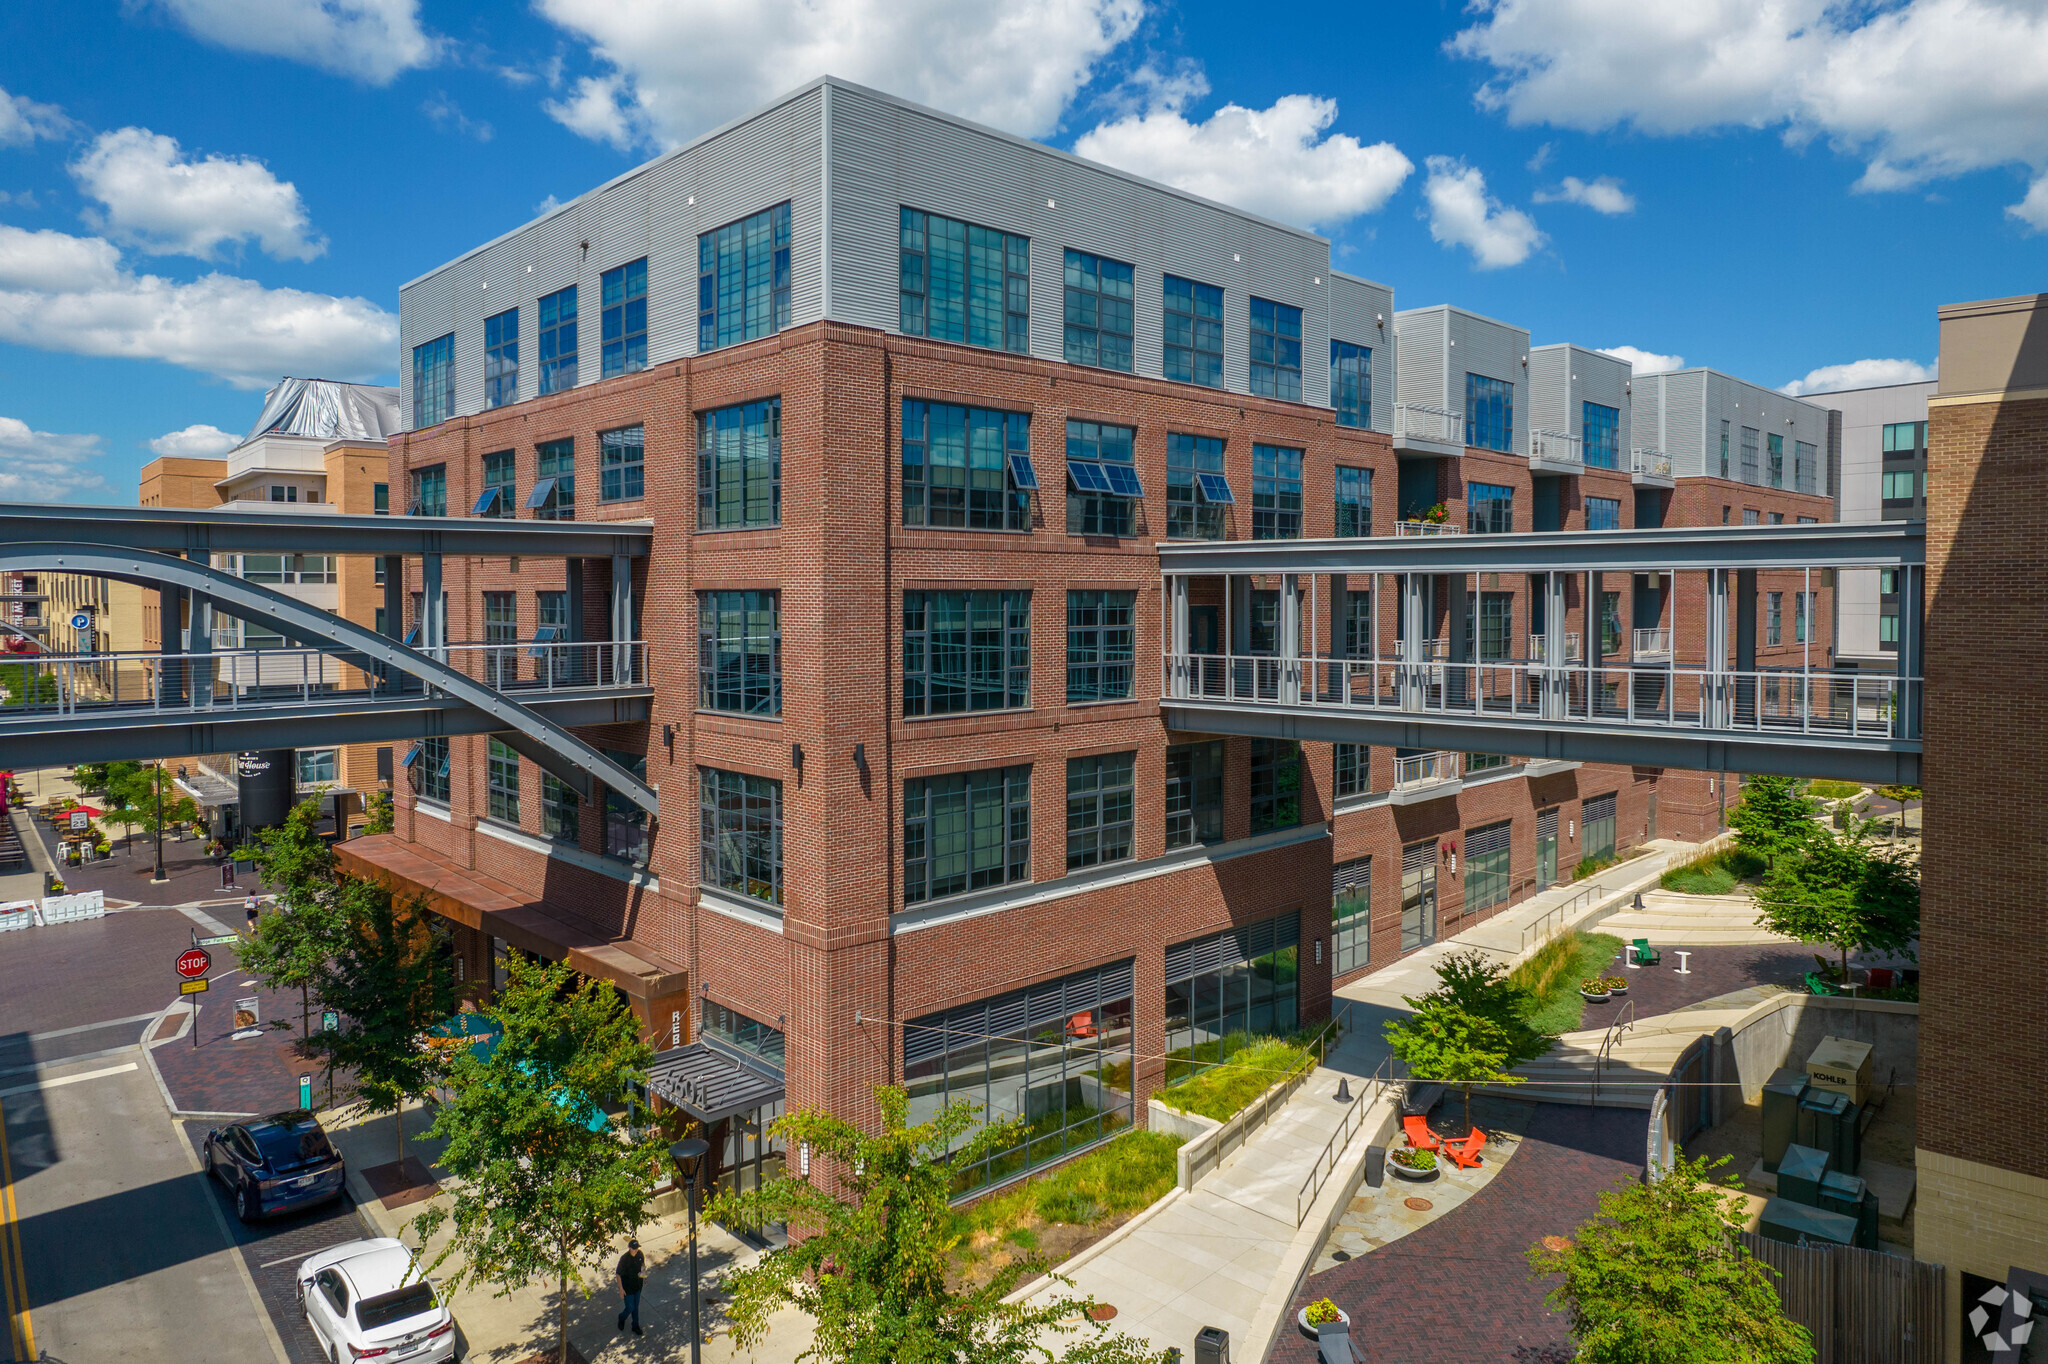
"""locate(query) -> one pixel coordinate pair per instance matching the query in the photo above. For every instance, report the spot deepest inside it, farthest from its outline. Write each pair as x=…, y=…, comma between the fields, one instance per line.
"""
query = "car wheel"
x=245, y=1206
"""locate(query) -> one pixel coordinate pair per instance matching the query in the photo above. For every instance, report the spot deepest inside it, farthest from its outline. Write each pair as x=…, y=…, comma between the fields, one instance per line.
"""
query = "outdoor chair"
x=1466, y=1152
x=1419, y=1135
x=1081, y=1025
x=1878, y=978
x=1646, y=955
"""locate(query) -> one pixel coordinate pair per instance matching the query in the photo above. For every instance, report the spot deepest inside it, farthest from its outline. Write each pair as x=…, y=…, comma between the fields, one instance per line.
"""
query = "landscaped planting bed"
x=1061, y=1213
x=1552, y=977
x=1716, y=873
x=1217, y=1080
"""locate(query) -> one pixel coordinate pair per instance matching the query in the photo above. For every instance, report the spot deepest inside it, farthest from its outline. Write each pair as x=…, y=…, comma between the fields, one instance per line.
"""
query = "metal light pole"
x=159, y=874
x=692, y=1150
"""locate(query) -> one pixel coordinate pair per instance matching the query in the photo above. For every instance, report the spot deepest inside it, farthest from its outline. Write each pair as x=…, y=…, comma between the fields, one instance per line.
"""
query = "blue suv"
x=281, y=1163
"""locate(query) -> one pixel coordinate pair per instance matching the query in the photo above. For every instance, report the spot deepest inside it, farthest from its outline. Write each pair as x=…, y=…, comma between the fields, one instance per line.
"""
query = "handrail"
x=1539, y=645
x=1555, y=445
x=1428, y=423
x=1199, y=1157
x=1651, y=640
x=1558, y=911
x=1423, y=768
x=1654, y=463
x=1428, y=528
x=1326, y=1163
x=1624, y=1019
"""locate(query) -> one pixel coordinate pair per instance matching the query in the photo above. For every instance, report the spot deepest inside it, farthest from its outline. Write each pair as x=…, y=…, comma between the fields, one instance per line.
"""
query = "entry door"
x=1418, y=895
x=1546, y=848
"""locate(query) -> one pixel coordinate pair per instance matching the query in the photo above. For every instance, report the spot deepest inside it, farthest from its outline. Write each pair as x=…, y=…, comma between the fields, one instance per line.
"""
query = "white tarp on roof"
x=328, y=410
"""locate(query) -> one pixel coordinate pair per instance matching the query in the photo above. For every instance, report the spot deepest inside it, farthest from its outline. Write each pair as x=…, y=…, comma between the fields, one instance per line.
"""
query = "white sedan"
x=368, y=1300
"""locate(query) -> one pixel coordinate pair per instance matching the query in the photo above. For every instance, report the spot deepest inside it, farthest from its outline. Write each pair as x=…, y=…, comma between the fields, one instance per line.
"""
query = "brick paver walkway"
x=1714, y=971
x=1458, y=1290
x=249, y=1075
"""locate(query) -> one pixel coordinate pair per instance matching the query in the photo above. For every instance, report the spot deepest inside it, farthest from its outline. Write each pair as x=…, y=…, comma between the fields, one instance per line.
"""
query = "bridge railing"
x=1785, y=701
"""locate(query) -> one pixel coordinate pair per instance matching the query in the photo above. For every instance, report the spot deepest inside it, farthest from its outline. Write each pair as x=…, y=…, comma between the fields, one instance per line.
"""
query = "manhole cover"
x=1419, y=1204
x=1101, y=1311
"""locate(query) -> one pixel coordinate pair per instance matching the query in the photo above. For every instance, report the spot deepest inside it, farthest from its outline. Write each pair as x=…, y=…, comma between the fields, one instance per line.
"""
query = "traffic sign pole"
x=192, y=965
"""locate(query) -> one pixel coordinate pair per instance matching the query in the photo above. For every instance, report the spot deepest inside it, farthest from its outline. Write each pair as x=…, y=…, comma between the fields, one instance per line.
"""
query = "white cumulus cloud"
x=2033, y=210
x=199, y=441
x=1859, y=374
x=447, y=114
x=72, y=294
x=670, y=69
x=1920, y=89
x=158, y=199
x=22, y=120
x=1281, y=162
x=1644, y=361
x=373, y=41
x=1462, y=213
x=1604, y=195
x=45, y=466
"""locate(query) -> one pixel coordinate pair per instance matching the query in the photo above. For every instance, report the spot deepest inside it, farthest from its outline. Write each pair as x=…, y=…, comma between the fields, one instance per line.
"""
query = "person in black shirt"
x=632, y=1278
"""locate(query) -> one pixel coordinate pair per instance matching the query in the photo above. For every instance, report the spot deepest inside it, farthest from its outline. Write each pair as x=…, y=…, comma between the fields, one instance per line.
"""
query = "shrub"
x=1552, y=974
x=1593, y=866
x=1714, y=873
x=1322, y=1311
x=1414, y=1159
x=1833, y=790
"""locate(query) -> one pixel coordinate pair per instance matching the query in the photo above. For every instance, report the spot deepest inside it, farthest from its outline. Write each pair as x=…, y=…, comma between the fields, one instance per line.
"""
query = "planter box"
x=1173, y=1122
x=1415, y=1176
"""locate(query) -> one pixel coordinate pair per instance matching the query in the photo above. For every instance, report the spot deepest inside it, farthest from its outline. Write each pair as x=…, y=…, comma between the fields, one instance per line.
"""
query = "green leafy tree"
x=1660, y=1278
x=1774, y=819
x=868, y=1261
x=544, y=1183
x=1449, y=1045
x=132, y=799
x=389, y=985
x=292, y=947
x=1905, y=796
x=1479, y=985
x=378, y=815
x=1844, y=892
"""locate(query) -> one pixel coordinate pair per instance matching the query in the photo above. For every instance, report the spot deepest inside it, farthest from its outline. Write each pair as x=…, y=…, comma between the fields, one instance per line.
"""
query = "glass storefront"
x=1243, y=981
x=1057, y=1055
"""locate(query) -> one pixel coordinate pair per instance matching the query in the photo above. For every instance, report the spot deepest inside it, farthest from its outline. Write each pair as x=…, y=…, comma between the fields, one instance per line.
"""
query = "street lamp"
x=159, y=874
x=692, y=1150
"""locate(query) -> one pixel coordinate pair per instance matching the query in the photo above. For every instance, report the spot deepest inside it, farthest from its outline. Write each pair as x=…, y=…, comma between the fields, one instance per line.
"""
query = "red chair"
x=1081, y=1025
x=1466, y=1152
x=1419, y=1135
x=1879, y=978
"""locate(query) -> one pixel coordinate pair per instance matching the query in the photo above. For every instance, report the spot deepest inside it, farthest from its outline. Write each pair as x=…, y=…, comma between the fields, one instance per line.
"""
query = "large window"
x=501, y=358
x=1100, y=645
x=622, y=327
x=1194, y=332
x=558, y=804
x=743, y=279
x=965, y=283
x=1354, y=501
x=730, y=1028
x=739, y=652
x=554, y=485
x=1805, y=461
x=1276, y=784
x=1603, y=513
x=1359, y=635
x=558, y=340
x=318, y=766
x=551, y=612
x=1775, y=444
x=1351, y=383
x=1486, y=866
x=1242, y=982
x=1596, y=834
x=433, y=382
x=1276, y=350
x=1103, y=489
x=1276, y=493
x=741, y=833
x=1496, y=626
x=431, y=763
x=1056, y=1057
x=1100, y=800
x=1774, y=618
x=966, y=651
x=1610, y=623
x=1353, y=769
x=500, y=496
x=1098, y=311
x=1196, y=491
x=1904, y=437
x=1750, y=437
x=1194, y=794
x=739, y=466
x=622, y=464
x=1351, y=915
x=1601, y=428
x=1489, y=413
x=503, y=783
x=1489, y=508
x=1724, y=449
x=429, y=491
x=966, y=467
x=965, y=832
x=625, y=824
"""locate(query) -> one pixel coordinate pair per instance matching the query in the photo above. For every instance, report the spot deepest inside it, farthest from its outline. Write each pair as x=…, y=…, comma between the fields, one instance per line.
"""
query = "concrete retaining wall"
x=1784, y=1031
x=1173, y=1122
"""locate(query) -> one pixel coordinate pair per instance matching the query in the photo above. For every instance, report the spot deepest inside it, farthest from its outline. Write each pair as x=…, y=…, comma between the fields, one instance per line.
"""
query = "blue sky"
x=197, y=196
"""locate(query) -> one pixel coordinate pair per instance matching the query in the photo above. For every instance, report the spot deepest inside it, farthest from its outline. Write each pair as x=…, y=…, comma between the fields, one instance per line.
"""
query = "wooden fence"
x=1861, y=1306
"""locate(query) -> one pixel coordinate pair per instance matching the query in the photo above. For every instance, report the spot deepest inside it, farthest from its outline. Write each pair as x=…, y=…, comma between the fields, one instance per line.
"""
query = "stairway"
x=1669, y=919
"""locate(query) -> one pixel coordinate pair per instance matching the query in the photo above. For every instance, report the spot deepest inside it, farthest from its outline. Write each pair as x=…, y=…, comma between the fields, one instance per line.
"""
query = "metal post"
x=394, y=615
x=1290, y=639
x=1555, y=678
x=622, y=617
x=433, y=612
x=159, y=874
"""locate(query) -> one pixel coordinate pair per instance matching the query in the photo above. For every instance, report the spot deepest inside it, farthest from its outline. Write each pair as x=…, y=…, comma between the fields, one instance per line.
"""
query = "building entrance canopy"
x=709, y=1085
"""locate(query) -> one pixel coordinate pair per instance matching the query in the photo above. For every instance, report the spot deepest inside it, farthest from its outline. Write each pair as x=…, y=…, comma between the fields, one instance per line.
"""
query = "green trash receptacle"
x=1796, y=1224
x=1782, y=1093
x=1800, y=1174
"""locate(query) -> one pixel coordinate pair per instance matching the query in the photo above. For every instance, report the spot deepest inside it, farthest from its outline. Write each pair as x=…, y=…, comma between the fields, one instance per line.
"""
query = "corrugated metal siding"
x=1598, y=379
x=1685, y=426
x=1550, y=390
x=1419, y=338
x=1494, y=350
x=1363, y=314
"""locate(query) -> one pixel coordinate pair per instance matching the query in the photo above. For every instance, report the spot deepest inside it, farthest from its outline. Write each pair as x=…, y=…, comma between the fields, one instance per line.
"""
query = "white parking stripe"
x=88, y=1027
x=66, y=1080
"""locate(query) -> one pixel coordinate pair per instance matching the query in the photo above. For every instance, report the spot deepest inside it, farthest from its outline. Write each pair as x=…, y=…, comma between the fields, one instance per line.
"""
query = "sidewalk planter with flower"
x=1409, y=1163
x=1594, y=991
x=1323, y=1318
x=1614, y=985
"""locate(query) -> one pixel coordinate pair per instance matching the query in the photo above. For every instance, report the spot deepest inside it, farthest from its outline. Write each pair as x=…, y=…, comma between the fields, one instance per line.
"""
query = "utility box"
x=1212, y=1345
x=1782, y=1093
x=1800, y=1174
x=1842, y=1065
x=1796, y=1224
x=1829, y=1122
x=1849, y=1196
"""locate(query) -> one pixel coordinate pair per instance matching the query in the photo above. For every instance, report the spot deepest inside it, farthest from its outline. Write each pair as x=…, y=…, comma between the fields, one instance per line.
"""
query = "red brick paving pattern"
x=1715, y=971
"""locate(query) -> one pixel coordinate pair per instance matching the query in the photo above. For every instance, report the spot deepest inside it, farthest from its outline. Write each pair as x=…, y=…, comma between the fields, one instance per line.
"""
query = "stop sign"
x=194, y=962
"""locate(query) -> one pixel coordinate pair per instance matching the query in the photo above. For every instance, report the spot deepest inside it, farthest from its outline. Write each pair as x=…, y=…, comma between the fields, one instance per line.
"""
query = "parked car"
x=281, y=1163
x=368, y=1300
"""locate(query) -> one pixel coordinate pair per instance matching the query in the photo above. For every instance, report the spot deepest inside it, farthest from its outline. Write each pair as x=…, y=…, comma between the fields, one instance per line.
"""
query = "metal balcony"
x=1424, y=777
x=1424, y=432
x=1651, y=645
x=1428, y=528
x=1650, y=469
x=1552, y=452
x=1539, y=646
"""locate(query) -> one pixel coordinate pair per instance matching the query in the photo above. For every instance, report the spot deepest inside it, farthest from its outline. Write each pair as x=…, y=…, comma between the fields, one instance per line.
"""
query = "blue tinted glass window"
x=622, y=464
x=1100, y=510
x=1354, y=501
x=960, y=282
x=1490, y=508
x=1603, y=513
x=1100, y=643
x=1190, y=515
x=1775, y=444
x=966, y=831
x=739, y=652
x=739, y=466
x=499, y=496
x=501, y=358
x=1098, y=311
x=956, y=467
x=1276, y=350
x=554, y=487
x=430, y=491
x=1194, y=332
x=966, y=651
x=557, y=340
x=1489, y=413
x=623, y=326
x=433, y=382
x=741, y=826
x=1276, y=493
x=743, y=280
x=1351, y=383
x=1601, y=427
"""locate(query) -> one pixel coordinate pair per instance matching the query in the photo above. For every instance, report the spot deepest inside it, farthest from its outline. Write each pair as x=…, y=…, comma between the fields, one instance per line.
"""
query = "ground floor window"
x=1243, y=982
x=317, y=766
x=1597, y=814
x=1351, y=914
x=1486, y=866
x=503, y=782
x=1058, y=1055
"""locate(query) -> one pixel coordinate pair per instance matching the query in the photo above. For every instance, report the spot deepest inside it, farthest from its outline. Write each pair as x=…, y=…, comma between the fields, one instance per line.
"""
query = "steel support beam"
x=178, y=530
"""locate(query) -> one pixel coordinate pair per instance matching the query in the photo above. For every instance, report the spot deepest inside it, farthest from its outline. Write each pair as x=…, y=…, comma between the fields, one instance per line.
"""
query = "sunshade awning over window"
x=709, y=1085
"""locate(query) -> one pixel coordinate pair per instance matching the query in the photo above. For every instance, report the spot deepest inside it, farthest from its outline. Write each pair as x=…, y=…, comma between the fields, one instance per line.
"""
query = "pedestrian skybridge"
x=1702, y=648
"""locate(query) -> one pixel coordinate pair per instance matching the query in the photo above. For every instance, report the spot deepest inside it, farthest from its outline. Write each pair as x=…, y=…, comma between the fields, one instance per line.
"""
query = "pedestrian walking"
x=250, y=906
x=632, y=1277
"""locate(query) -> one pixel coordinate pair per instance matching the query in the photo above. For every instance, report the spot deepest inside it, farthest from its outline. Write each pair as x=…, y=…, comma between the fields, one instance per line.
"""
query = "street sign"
x=81, y=621
x=216, y=939
x=194, y=962
x=330, y=1021
x=306, y=1092
x=80, y=820
x=193, y=987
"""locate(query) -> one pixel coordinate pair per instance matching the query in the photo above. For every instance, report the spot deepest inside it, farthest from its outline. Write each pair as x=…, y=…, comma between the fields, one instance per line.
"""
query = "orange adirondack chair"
x=1466, y=1152
x=1419, y=1135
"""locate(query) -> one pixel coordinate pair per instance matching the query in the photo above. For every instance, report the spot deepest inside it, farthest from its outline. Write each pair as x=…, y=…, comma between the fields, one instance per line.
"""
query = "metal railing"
x=1652, y=463
x=1556, y=446
x=1787, y=701
x=1428, y=528
x=1539, y=646
x=1652, y=640
x=1624, y=1020
x=1557, y=917
x=1425, y=769
x=248, y=679
x=1429, y=423
x=1326, y=1164
x=1205, y=1153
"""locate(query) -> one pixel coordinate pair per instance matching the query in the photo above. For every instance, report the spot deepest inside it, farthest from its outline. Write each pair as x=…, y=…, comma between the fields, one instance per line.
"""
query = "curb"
x=1082, y=1258
x=148, y=1047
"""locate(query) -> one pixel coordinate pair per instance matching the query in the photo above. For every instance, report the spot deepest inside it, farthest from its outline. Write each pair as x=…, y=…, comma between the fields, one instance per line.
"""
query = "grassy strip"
x=1552, y=975
x=1715, y=873
x=1238, y=1074
x=1111, y=1182
x=1832, y=790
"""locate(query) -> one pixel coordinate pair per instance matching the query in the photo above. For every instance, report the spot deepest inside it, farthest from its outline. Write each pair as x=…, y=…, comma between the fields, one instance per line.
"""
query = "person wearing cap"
x=632, y=1277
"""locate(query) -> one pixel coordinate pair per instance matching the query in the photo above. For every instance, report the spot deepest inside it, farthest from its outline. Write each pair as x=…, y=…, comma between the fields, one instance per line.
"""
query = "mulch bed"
x=399, y=1183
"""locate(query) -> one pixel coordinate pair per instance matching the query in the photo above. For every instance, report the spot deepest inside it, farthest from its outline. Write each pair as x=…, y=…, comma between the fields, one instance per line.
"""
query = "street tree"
x=1660, y=1278
x=1903, y=796
x=378, y=815
x=545, y=1183
x=867, y=1260
x=1773, y=819
x=1443, y=1043
x=389, y=985
x=1479, y=985
x=1846, y=892
x=292, y=947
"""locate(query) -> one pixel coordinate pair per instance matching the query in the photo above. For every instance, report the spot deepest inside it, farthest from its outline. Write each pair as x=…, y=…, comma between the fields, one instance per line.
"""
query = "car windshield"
x=396, y=1305
x=286, y=1145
